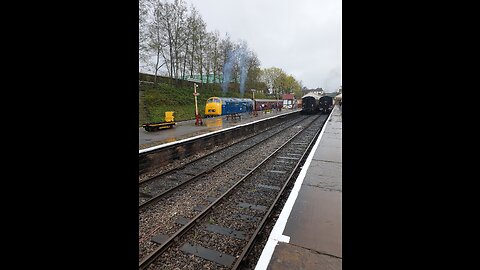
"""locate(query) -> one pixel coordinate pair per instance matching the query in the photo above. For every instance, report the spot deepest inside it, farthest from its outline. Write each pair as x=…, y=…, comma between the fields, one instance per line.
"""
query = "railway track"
x=223, y=227
x=154, y=188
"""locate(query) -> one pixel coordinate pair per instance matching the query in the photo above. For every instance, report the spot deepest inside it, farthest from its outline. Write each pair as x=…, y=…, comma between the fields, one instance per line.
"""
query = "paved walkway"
x=308, y=232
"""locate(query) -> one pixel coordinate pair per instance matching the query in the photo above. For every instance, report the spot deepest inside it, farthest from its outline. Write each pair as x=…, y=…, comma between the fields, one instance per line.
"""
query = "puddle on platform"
x=215, y=122
x=170, y=140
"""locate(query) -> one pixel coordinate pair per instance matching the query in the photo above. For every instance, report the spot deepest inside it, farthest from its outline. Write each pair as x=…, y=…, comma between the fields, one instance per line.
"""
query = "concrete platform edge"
x=277, y=232
x=206, y=134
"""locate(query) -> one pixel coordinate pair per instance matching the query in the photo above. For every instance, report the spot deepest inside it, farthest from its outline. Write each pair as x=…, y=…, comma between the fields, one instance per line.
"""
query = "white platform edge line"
x=277, y=232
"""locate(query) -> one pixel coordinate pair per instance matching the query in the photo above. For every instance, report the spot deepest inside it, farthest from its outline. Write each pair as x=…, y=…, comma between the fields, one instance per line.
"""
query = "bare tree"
x=226, y=49
x=142, y=32
x=175, y=38
x=188, y=40
x=201, y=32
x=194, y=21
x=268, y=76
x=215, y=39
x=145, y=18
x=180, y=34
x=254, y=70
x=156, y=39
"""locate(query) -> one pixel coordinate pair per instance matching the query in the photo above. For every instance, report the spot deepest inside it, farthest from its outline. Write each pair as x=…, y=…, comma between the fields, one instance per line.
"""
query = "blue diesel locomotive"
x=224, y=106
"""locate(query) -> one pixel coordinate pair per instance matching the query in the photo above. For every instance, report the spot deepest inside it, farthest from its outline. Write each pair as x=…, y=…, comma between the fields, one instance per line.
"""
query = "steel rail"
x=150, y=258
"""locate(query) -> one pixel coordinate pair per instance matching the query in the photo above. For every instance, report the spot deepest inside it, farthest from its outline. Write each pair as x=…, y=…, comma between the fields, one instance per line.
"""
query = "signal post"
x=198, y=118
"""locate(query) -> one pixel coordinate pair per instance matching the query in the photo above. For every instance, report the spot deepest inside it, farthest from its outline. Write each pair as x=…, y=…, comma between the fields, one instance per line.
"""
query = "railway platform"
x=308, y=232
x=188, y=129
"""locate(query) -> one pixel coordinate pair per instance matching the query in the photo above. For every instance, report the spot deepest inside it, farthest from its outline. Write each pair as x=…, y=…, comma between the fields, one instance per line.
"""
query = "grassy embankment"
x=154, y=101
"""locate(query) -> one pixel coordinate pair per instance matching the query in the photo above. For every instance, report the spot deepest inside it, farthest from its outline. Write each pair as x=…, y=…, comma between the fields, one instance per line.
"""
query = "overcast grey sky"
x=302, y=37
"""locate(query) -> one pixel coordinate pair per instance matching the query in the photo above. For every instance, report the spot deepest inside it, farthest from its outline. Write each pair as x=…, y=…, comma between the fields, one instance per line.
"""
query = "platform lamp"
x=254, y=103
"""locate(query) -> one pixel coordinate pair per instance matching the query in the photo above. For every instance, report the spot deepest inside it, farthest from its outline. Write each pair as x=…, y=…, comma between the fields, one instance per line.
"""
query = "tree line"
x=174, y=41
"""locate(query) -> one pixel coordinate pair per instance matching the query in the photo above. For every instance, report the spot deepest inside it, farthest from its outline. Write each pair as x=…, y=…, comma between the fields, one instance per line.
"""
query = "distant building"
x=332, y=94
x=288, y=100
x=318, y=91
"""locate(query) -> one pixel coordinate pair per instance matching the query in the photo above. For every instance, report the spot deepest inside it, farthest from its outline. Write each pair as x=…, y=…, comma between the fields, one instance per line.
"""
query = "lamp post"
x=276, y=96
x=254, y=111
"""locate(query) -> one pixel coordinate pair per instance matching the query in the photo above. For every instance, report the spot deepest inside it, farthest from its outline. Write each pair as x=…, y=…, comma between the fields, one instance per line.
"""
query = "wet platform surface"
x=292, y=257
x=188, y=129
x=308, y=232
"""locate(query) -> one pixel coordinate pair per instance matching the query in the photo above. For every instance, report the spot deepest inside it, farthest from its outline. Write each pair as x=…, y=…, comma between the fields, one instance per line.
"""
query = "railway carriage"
x=310, y=103
x=325, y=104
x=268, y=104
